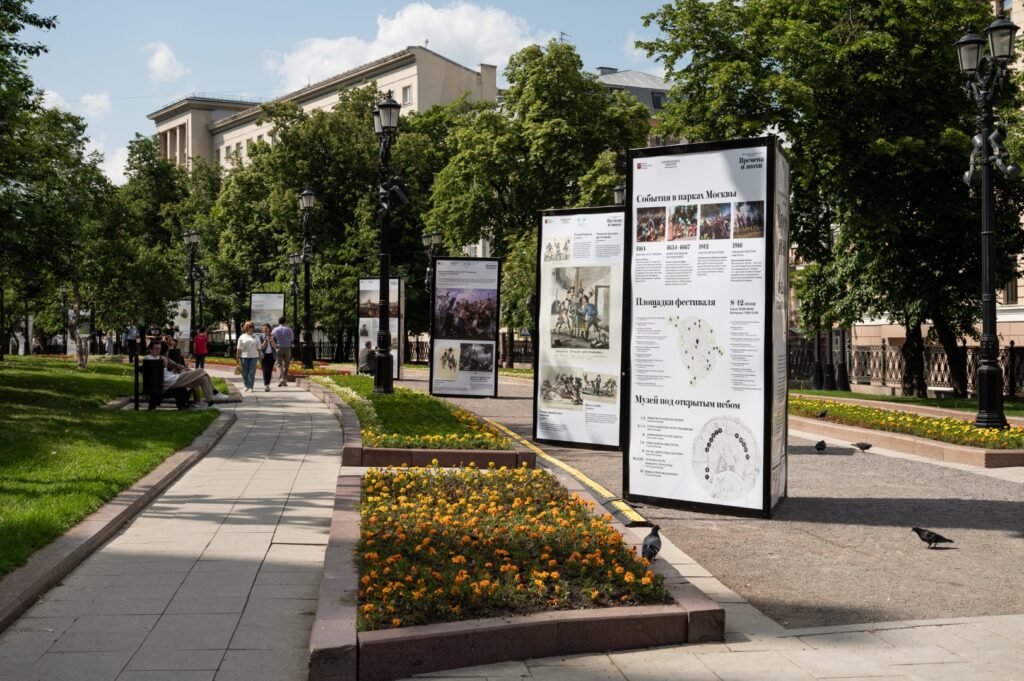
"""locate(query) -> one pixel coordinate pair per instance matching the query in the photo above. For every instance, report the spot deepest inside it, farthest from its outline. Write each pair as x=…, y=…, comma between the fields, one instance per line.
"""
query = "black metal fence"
x=883, y=365
x=418, y=351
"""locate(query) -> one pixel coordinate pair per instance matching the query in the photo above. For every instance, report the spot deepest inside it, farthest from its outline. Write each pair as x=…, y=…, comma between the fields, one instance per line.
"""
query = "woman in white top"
x=248, y=353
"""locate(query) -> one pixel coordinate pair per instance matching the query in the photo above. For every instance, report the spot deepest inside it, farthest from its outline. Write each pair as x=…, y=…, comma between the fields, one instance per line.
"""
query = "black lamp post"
x=620, y=194
x=984, y=75
x=191, y=243
x=295, y=259
x=64, y=313
x=200, y=275
x=385, y=124
x=306, y=201
x=432, y=245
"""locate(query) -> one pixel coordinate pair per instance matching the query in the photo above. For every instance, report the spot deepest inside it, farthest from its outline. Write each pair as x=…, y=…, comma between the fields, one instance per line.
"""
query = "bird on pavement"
x=652, y=544
x=931, y=538
x=823, y=413
x=862, y=446
x=820, y=446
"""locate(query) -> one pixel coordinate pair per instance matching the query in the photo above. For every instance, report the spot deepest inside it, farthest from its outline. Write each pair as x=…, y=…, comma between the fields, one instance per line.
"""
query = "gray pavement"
x=217, y=579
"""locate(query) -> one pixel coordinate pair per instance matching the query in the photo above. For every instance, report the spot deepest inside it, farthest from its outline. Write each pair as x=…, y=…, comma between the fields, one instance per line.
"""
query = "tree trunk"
x=510, y=341
x=913, y=363
x=954, y=356
x=81, y=349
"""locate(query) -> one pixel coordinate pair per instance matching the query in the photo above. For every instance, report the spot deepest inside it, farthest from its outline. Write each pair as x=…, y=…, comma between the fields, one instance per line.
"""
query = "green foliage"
x=61, y=456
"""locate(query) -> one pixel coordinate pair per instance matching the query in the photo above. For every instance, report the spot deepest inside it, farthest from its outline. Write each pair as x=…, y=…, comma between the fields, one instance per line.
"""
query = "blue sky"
x=114, y=61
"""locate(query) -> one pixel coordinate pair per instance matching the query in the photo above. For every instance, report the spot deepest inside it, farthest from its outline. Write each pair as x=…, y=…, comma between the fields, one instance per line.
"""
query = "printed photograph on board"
x=580, y=307
x=749, y=222
x=683, y=223
x=566, y=388
x=715, y=221
x=557, y=249
x=446, y=363
x=476, y=357
x=369, y=304
x=466, y=313
x=650, y=224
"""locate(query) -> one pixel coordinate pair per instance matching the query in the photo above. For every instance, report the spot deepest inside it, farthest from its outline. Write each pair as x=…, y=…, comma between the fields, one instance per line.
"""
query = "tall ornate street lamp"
x=197, y=319
x=984, y=75
x=191, y=243
x=295, y=259
x=385, y=124
x=432, y=246
x=306, y=201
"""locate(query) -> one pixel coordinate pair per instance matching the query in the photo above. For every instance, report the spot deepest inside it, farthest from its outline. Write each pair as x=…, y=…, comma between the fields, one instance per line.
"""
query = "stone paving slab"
x=202, y=585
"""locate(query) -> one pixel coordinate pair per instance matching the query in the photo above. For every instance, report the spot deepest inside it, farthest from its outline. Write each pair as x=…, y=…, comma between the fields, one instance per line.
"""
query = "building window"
x=658, y=100
x=238, y=148
x=407, y=94
x=1010, y=293
x=259, y=138
x=216, y=156
x=1005, y=6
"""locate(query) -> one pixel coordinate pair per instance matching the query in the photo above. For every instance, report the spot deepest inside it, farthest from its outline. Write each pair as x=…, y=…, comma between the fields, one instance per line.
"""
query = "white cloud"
x=113, y=163
x=95, y=106
x=163, y=65
x=464, y=32
x=638, y=58
x=53, y=100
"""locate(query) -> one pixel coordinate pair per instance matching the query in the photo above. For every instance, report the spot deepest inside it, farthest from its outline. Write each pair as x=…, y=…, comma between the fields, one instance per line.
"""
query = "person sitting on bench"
x=179, y=376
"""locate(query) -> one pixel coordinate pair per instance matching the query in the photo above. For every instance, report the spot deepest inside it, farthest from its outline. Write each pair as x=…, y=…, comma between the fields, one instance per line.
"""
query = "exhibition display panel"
x=464, y=327
x=266, y=308
x=369, y=314
x=705, y=306
x=578, y=344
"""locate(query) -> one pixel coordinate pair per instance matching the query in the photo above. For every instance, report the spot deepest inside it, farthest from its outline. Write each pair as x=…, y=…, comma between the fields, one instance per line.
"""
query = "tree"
x=868, y=98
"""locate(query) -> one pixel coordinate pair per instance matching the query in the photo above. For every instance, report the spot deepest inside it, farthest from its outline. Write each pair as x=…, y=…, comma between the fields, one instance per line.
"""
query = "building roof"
x=637, y=79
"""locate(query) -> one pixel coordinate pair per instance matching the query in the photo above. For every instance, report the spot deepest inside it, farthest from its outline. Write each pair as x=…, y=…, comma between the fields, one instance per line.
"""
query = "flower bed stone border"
x=337, y=651
x=50, y=564
x=354, y=454
x=909, y=444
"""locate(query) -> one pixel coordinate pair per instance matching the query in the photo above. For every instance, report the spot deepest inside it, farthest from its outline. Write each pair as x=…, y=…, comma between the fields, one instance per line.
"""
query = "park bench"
x=152, y=372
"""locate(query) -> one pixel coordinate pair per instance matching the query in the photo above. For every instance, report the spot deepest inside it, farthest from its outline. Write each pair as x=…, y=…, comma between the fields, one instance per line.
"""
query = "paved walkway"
x=217, y=579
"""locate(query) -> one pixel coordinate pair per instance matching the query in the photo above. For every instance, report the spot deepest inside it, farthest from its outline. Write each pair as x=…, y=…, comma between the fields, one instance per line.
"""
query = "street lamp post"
x=431, y=244
x=201, y=278
x=306, y=201
x=984, y=75
x=385, y=124
x=295, y=259
x=64, y=313
x=191, y=243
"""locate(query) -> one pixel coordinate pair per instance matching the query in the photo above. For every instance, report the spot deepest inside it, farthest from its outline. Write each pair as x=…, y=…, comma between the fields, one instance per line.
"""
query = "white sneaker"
x=221, y=397
x=198, y=406
x=266, y=388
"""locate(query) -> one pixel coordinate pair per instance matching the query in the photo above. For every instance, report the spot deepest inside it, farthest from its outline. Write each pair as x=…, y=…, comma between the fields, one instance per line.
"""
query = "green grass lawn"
x=62, y=457
x=1011, y=406
x=409, y=418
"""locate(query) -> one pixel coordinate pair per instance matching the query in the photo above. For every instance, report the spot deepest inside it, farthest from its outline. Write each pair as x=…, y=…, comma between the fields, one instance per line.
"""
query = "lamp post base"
x=990, y=398
x=306, y=352
x=842, y=377
x=383, y=381
x=817, y=379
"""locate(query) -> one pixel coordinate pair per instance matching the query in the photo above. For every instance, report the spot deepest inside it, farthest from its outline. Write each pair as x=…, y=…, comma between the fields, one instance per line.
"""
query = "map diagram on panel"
x=697, y=346
x=725, y=459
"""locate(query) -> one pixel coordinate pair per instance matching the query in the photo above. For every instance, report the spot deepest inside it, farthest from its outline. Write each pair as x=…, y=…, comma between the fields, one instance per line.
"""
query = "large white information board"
x=464, y=327
x=579, y=326
x=369, y=314
x=265, y=308
x=704, y=357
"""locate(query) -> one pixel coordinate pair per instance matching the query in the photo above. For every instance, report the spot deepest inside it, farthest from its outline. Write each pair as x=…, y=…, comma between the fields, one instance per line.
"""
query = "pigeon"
x=823, y=413
x=820, y=446
x=862, y=446
x=652, y=544
x=931, y=538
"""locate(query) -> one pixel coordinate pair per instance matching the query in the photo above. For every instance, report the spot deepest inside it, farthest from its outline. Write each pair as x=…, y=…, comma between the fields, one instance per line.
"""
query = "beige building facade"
x=222, y=129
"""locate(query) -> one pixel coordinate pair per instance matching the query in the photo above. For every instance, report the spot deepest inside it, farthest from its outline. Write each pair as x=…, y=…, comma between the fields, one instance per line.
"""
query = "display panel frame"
x=434, y=338
x=568, y=212
x=273, y=322
x=773, y=153
x=398, y=340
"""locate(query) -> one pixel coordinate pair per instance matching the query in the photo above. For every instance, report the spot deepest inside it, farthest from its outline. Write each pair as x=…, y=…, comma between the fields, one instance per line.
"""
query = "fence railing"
x=883, y=365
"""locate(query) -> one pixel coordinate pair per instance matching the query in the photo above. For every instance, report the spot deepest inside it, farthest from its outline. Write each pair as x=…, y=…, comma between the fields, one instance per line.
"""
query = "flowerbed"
x=951, y=430
x=442, y=545
x=408, y=419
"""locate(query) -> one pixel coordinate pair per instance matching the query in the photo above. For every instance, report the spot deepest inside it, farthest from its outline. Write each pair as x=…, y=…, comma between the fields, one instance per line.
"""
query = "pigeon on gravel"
x=820, y=446
x=823, y=413
x=652, y=544
x=862, y=446
x=931, y=538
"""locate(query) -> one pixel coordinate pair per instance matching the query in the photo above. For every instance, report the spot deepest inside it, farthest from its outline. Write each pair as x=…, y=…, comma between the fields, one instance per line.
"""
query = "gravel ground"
x=840, y=549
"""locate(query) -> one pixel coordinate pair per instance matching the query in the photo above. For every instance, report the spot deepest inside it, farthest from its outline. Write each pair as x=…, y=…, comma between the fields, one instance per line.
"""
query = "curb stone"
x=49, y=565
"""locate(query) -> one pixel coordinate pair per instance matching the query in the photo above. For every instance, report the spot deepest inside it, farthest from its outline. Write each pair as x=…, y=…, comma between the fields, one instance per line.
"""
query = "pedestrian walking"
x=268, y=355
x=109, y=342
x=199, y=348
x=247, y=350
x=284, y=338
x=131, y=341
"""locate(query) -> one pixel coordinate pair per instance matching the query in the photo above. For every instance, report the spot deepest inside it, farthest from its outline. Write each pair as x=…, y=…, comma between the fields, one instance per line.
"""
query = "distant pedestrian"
x=199, y=348
x=268, y=355
x=247, y=351
x=131, y=341
x=109, y=342
x=284, y=338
